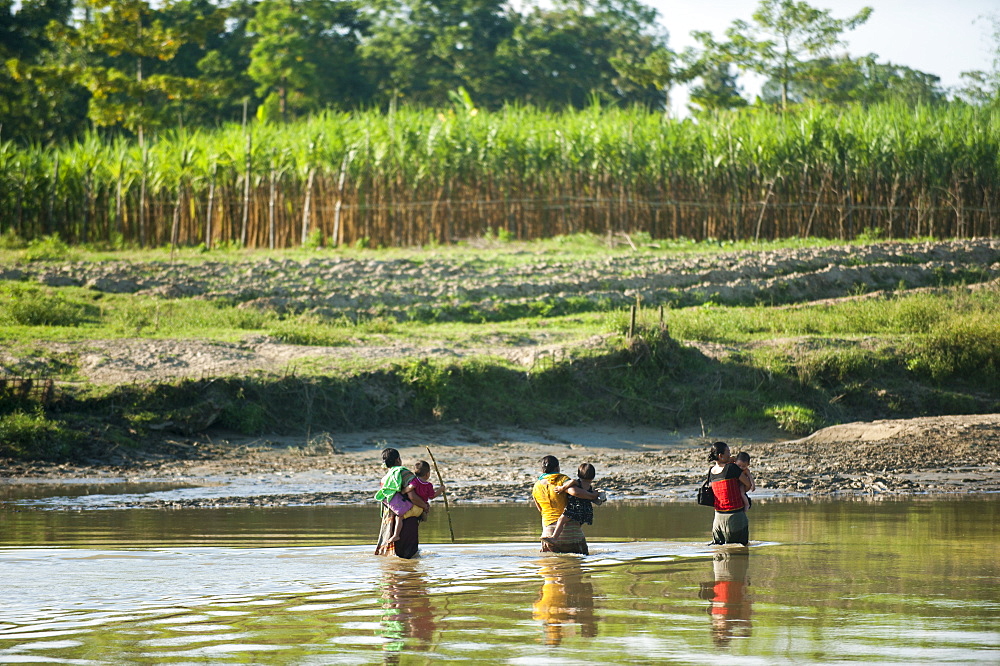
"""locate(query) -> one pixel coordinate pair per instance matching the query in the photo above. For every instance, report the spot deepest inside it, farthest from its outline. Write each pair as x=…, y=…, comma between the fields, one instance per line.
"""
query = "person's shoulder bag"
x=706, y=496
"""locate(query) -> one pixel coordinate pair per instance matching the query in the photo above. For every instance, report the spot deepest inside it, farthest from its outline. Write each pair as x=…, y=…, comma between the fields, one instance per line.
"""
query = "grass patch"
x=964, y=347
x=795, y=419
x=563, y=248
x=33, y=435
x=907, y=314
x=648, y=379
x=30, y=305
x=48, y=248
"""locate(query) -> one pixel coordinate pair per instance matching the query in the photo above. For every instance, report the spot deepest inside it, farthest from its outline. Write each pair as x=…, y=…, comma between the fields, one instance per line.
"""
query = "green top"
x=393, y=482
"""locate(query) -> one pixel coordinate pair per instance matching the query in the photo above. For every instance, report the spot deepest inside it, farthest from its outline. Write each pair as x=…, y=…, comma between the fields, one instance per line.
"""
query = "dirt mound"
x=940, y=429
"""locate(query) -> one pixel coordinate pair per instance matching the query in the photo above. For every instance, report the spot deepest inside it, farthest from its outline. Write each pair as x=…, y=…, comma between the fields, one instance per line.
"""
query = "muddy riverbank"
x=925, y=456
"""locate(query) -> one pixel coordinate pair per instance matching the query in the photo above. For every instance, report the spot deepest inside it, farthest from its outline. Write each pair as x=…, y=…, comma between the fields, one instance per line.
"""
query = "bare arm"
x=746, y=481
x=412, y=495
x=566, y=486
x=577, y=491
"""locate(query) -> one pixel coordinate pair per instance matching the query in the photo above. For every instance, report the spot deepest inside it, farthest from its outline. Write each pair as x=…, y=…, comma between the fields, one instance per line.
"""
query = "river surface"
x=894, y=581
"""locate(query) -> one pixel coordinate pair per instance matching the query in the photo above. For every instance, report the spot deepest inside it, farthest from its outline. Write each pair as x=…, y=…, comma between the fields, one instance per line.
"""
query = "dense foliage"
x=136, y=67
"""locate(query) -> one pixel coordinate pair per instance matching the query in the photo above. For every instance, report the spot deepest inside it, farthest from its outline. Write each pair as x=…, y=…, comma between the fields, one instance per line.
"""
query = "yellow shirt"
x=551, y=503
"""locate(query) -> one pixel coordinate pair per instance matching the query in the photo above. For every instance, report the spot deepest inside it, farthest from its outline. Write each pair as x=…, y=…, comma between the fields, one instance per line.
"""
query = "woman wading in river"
x=727, y=479
x=398, y=480
x=551, y=503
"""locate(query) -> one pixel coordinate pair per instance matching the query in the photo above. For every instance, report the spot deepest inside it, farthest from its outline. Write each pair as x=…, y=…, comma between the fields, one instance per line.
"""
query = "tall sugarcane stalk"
x=416, y=176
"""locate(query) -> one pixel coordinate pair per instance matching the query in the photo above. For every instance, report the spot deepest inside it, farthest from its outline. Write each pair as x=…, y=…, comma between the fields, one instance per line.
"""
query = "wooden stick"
x=444, y=493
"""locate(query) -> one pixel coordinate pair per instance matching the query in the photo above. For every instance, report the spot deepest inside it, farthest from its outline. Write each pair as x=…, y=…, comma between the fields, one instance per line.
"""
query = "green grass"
x=907, y=314
x=33, y=434
x=966, y=346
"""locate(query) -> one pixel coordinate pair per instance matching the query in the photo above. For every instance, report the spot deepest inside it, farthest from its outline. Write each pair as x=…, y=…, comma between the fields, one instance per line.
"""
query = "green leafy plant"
x=28, y=305
x=795, y=419
x=47, y=248
x=30, y=435
x=966, y=348
x=244, y=416
x=314, y=240
x=10, y=240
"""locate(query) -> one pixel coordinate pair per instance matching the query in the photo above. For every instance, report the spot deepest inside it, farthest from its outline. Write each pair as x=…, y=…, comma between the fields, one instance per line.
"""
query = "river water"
x=894, y=581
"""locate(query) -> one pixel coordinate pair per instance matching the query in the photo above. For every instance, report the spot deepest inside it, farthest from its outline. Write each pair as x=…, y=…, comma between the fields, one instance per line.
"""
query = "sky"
x=940, y=37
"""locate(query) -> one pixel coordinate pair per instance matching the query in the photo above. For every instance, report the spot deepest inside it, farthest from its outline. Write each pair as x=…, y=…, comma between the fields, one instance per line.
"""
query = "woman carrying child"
x=729, y=483
x=551, y=501
x=404, y=541
x=578, y=509
x=425, y=490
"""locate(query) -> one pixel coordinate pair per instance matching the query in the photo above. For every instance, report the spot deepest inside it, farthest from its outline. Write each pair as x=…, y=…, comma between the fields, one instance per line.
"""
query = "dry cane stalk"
x=444, y=494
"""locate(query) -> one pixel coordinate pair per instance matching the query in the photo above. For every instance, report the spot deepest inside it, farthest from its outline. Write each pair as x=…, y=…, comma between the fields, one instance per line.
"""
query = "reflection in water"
x=909, y=583
x=407, y=611
x=730, y=599
x=565, y=599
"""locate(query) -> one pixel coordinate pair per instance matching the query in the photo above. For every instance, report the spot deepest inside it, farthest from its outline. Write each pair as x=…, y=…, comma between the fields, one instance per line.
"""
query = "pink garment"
x=424, y=489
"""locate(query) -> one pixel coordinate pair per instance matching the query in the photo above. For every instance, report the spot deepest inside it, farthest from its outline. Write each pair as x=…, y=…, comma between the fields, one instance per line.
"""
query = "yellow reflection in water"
x=565, y=601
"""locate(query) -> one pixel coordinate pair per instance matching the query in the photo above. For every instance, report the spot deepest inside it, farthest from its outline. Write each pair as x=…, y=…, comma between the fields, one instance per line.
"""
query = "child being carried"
x=425, y=490
x=743, y=462
x=578, y=509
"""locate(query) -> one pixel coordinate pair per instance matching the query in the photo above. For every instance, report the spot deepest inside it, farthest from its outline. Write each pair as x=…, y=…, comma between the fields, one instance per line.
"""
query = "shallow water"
x=906, y=582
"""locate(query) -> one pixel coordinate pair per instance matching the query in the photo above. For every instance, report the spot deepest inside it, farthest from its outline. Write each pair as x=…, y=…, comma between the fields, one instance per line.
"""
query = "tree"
x=982, y=87
x=115, y=55
x=717, y=91
x=786, y=34
x=304, y=55
x=216, y=51
x=661, y=70
x=572, y=52
x=37, y=102
x=866, y=81
x=422, y=49
x=279, y=61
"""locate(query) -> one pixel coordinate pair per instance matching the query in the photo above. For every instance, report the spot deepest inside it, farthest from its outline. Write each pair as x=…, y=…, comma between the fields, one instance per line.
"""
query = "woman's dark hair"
x=586, y=472
x=717, y=450
x=550, y=465
x=391, y=457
